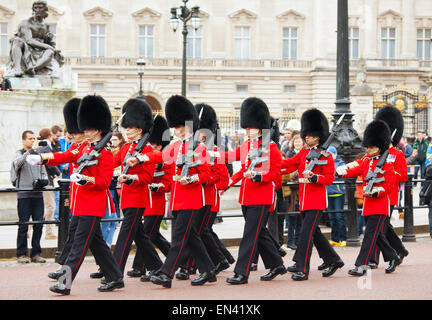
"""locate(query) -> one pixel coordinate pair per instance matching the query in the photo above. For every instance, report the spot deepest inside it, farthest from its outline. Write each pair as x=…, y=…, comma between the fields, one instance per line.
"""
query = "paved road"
x=412, y=280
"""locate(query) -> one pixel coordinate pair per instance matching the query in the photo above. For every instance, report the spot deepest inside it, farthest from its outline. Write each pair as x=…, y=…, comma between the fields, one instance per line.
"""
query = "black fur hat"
x=208, y=118
x=160, y=126
x=393, y=117
x=314, y=123
x=377, y=134
x=94, y=113
x=70, y=114
x=138, y=114
x=254, y=113
x=276, y=135
x=178, y=110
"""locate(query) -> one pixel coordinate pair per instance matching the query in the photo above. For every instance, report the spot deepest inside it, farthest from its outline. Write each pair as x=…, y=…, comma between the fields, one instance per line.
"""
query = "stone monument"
x=41, y=87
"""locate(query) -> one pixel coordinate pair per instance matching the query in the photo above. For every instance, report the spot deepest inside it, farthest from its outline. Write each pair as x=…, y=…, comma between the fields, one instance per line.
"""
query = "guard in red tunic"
x=91, y=196
x=154, y=213
x=376, y=203
x=261, y=162
x=393, y=117
x=208, y=127
x=187, y=193
x=70, y=113
x=313, y=197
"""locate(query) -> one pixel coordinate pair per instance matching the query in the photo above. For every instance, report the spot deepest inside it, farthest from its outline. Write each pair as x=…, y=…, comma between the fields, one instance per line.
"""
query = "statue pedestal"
x=34, y=104
x=362, y=106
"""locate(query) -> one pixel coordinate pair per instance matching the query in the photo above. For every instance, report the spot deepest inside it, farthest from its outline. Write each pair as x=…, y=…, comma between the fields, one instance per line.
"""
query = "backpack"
x=426, y=192
x=14, y=175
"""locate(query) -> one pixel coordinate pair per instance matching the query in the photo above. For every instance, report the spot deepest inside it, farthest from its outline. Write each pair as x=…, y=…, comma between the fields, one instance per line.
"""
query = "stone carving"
x=33, y=50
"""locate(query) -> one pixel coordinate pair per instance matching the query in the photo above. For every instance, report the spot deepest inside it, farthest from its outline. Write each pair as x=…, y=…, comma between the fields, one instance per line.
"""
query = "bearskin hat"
x=208, y=119
x=314, y=123
x=276, y=134
x=393, y=117
x=138, y=114
x=70, y=114
x=178, y=110
x=160, y=126
x=377, y=134
x=94, y=113
x=254, y=113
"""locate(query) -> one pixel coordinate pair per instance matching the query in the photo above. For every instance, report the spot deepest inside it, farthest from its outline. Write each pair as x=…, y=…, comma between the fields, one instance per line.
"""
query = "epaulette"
x=326, y=154
x=75, y=151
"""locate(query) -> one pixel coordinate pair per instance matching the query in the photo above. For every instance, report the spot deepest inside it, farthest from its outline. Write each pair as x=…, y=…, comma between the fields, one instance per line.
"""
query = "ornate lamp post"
x=347, y=140
x=184, y=14
x=141, y=64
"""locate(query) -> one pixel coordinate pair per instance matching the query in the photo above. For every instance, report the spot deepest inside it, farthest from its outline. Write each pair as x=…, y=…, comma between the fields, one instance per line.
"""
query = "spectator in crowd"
x=407, y=146
x=30, y=203
x=336, y=201
x=421, y=145
x=293, y=222
x=46, y=143
x=57, y=135
x=5, y=84
x=288, y=134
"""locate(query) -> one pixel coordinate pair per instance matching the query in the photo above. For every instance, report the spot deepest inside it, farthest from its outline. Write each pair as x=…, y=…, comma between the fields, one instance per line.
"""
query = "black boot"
x=393, y=264
x=146, y=277
x=253, y=267
x=134, y=273
x=282, y=252
x=183, y=274
x=358, y=271
x=110, y=286
x=203, y=278
x=332, y=268
x=299, y=276
x=273, y=273
x=293, y=268
x=161, y=279
x=323, y=266
x=60, y=288
x=223, y=265
x=237, y=279
x=55, y=275
x=96, y=275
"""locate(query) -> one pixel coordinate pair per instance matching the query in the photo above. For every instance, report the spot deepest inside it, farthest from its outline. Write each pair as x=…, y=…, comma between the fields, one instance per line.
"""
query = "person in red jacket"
x=257, y=191
x=313, y=196
x=70, y=113
x=91, y=196
x=208, y=127
x=154, y=213
x=393, y=117
x=377, y=139
x=187, y=193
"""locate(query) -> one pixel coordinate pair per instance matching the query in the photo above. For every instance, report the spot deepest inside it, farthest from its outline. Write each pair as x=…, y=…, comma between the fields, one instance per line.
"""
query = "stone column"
x=409, y=32
x=370, y=30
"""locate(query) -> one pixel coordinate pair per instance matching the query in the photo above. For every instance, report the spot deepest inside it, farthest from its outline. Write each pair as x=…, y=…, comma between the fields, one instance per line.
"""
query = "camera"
x=43, y=143
x=40, y=183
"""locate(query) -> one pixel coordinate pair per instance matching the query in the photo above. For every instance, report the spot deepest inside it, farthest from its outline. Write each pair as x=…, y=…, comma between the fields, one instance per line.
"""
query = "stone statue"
x=33, y=50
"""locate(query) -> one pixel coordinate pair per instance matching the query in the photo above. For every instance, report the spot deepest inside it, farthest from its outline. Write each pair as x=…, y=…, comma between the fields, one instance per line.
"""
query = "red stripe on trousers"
x=181, y=247
x=85, y=246
x=310, y=237
x=130, y=230
x=367, y=257
x=256, y=236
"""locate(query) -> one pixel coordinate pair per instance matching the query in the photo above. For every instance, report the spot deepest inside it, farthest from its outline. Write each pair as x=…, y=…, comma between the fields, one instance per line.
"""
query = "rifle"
x=314, y=154
x=138, y=149
x=89, y=159
x=256, y=155
x=372, y=176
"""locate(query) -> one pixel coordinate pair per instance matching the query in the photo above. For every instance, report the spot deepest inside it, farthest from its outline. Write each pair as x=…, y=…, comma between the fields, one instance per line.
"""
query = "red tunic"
x=90, y=199
x=401, y=170
x=219, y=180
x=190, y=196
x=135, y=195
x=257, y=193
x=312, y=196
x=72, y=167
x=380, y=204
x=157, y=199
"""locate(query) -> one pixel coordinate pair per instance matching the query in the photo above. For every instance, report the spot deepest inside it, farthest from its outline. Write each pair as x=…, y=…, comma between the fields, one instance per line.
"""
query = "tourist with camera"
x=30, y=203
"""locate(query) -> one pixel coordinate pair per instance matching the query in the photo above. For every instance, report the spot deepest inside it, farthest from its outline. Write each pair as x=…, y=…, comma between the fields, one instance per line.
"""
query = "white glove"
x=341, y=171
x=34, y=159
x=75, y=177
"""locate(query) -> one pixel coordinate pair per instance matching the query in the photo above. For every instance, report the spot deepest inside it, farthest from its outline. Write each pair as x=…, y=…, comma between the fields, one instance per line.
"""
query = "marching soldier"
x=393, y=117
x=154, y=213
x=187, y=194
x=257, y=192
x=91, y=196
x=313, y=197
x=376, y=202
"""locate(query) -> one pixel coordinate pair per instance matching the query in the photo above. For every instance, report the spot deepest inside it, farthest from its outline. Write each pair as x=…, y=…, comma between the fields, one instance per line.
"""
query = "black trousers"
x=88, y=235
x=128, y=233
x=211, y=244
x=69, y=241
x=220, y=245
x=256, y=239
x=310, y=235
x=392, y=238
x=185, y=234
x=375, y=236
x=150, y=229
x=34, y=208
x=277, y=245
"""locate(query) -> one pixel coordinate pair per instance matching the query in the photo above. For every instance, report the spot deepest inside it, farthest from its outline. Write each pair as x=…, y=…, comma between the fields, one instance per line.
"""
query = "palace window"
x=97, y=40
x=289, y=39
x=424, y=44
x=3, y=39
x=388, y=43
x=353, y=42
x=242, y=42
x=146, y=41
x=194, y=43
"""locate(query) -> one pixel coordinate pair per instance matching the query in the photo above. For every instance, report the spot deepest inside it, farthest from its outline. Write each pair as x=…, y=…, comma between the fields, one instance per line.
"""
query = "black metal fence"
x=351, y=212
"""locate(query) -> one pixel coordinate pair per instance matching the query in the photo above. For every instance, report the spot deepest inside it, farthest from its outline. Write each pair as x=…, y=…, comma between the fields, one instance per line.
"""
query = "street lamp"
x=184, y=14
x=141, y=63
